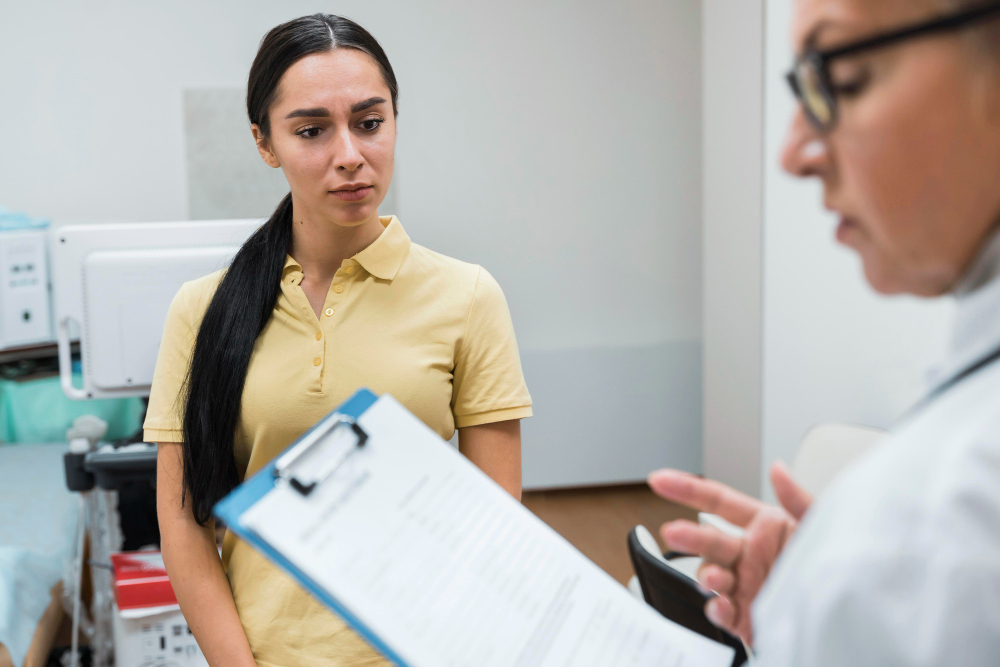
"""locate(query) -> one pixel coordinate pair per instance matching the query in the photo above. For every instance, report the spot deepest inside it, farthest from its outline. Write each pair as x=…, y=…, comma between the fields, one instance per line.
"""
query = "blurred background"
x=556, y=144
x=678, y=300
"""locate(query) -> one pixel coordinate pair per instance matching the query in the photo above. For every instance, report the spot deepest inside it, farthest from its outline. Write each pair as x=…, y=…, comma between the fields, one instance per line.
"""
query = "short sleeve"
x=488, y=381
x=165, y=414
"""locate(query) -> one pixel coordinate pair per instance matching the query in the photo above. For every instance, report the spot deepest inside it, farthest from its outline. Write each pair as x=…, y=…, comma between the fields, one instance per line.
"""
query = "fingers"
x=765, y=539
x=709, y=543
x=716, y=578
x=792, y=497
x=721, y=612
x=724, y=614
x=704, y=495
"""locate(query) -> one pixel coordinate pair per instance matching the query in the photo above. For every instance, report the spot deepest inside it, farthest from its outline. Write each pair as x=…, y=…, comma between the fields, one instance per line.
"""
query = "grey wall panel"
x=610, y=415
x=226, y=177
x=570, y=167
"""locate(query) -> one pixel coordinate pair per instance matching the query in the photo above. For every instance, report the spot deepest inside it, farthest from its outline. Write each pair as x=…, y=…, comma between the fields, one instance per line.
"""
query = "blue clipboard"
x=231, y=508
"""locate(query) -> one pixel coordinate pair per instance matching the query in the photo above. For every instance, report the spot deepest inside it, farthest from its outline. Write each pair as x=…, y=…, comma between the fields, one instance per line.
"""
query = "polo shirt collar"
x=383, y=258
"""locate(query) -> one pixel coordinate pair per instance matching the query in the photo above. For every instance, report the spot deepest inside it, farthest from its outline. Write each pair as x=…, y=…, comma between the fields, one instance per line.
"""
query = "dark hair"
x=245, y=297
x=986, y=35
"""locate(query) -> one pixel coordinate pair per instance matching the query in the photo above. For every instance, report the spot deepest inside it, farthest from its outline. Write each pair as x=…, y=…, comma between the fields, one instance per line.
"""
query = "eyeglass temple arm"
x=939, y=25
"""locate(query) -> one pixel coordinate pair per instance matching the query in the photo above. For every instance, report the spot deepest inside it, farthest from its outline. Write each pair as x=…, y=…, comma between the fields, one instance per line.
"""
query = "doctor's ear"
x=264, y=147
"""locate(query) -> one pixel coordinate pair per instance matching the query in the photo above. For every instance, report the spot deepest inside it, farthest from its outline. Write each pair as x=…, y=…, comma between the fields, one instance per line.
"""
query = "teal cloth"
x=9, y=220
x=39, y=411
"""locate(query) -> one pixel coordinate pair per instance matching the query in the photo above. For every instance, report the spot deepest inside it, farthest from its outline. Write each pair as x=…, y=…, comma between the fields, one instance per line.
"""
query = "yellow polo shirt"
x=400, y=319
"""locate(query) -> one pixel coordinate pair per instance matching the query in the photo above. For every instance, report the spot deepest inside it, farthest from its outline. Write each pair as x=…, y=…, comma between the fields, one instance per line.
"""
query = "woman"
x=325, y=298
x=899, y=562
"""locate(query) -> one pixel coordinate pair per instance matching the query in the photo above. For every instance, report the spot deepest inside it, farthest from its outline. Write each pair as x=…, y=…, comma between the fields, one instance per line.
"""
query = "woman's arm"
x=496, y=450
x=195, y=569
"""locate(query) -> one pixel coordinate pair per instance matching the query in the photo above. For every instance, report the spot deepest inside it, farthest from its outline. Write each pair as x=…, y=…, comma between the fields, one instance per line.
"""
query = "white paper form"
x=450, y=571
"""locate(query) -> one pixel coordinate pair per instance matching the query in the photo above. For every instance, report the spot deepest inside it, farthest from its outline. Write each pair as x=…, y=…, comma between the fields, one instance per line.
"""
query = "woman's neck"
x=320, y=246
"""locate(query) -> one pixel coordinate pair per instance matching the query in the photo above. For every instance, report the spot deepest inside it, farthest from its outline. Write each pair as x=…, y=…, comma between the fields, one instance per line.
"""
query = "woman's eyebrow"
x=370, y=102
x=812, y=39
x=323, y=112
x=316, y=112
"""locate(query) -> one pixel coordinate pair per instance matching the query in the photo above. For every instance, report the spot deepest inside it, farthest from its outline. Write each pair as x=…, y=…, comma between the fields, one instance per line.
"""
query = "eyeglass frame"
x=820, y=60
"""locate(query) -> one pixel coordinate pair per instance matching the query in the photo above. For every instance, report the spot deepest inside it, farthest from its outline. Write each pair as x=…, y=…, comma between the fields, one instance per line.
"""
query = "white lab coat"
x=898, y=562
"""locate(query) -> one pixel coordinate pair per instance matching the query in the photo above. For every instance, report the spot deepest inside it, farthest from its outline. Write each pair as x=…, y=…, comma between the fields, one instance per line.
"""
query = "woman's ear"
x=264, y=147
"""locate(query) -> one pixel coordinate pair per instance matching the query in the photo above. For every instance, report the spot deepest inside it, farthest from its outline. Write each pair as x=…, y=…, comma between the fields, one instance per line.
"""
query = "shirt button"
x=338, y=289
x=349, y=270
x=329, y=312
x=319, y=335
x=317, y=361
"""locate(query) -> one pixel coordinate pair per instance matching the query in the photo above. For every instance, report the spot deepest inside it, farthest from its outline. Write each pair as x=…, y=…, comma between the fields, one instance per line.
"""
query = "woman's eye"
x=371, y=124
x=851, y=86
x=309, y=132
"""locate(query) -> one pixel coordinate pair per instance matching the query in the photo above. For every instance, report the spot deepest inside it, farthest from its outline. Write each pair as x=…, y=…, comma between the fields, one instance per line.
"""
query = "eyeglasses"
x=810, y=79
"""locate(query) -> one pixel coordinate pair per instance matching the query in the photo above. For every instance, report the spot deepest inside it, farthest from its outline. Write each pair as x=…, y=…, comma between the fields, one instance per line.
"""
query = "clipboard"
x=230, y=508
x=319, y=502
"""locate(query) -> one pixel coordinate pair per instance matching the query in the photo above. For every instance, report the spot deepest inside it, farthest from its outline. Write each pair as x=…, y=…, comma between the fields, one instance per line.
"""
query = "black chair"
x=674, y=594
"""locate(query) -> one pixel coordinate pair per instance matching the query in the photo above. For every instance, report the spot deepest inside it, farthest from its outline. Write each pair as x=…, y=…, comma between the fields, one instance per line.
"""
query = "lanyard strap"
x=955, y=379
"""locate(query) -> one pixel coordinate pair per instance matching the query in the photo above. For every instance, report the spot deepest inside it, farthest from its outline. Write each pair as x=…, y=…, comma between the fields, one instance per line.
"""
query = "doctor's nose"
x=805, y=152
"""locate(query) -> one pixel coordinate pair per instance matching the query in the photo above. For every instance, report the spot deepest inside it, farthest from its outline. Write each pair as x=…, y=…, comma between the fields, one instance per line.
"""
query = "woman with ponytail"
x=326, y=297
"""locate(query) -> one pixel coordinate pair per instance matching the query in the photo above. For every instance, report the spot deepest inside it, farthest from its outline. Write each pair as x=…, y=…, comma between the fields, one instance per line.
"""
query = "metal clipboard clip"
x=304, y=466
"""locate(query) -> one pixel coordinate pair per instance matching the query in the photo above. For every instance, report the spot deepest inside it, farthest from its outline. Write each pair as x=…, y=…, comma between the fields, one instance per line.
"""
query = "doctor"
x=898, y=563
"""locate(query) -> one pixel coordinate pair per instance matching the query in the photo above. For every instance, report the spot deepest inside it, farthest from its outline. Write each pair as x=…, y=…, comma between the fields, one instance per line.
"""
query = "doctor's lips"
x=845, y=227
x=352, y=191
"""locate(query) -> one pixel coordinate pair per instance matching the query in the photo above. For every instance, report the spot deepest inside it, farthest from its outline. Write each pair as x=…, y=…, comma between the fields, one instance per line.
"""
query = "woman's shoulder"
x=430, y=262
x=192, y=299
x=454, y=275
x=434, y=265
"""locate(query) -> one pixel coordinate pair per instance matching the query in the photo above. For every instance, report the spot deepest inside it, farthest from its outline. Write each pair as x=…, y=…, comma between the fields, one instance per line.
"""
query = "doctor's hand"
x=734, y=567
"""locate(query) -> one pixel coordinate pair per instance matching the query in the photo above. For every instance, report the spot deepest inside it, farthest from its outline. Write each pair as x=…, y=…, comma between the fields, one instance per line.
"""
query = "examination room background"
x=612, y=164
x=558, y=148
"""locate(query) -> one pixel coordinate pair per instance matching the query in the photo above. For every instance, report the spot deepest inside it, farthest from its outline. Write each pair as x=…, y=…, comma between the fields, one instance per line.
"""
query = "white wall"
x=732, y=55
x=793, y=336
x=833, y=350
x=558, y=144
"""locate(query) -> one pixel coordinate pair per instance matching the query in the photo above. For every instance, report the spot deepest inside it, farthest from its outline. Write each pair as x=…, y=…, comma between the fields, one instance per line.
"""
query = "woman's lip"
x=352, y=195
x=844, y=228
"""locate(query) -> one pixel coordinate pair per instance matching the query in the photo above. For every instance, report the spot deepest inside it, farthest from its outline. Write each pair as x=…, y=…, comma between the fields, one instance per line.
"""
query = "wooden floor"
x=597, y=520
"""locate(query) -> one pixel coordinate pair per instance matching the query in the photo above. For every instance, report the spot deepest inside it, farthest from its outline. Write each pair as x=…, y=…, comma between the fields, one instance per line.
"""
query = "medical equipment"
x=112, y=287
x=148, y=626
x=97, y=472
x=114, y=283
x=25, y=315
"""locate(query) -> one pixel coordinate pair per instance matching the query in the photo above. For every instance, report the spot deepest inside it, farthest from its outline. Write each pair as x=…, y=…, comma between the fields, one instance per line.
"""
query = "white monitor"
x=112, y=285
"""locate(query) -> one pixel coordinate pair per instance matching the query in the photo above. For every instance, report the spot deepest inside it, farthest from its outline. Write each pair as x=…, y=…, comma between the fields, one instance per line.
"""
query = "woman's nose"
x=347, y=157
x=805, y=152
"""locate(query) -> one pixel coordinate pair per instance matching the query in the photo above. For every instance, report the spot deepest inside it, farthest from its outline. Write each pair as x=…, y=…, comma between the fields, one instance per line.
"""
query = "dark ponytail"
x=245, y=297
